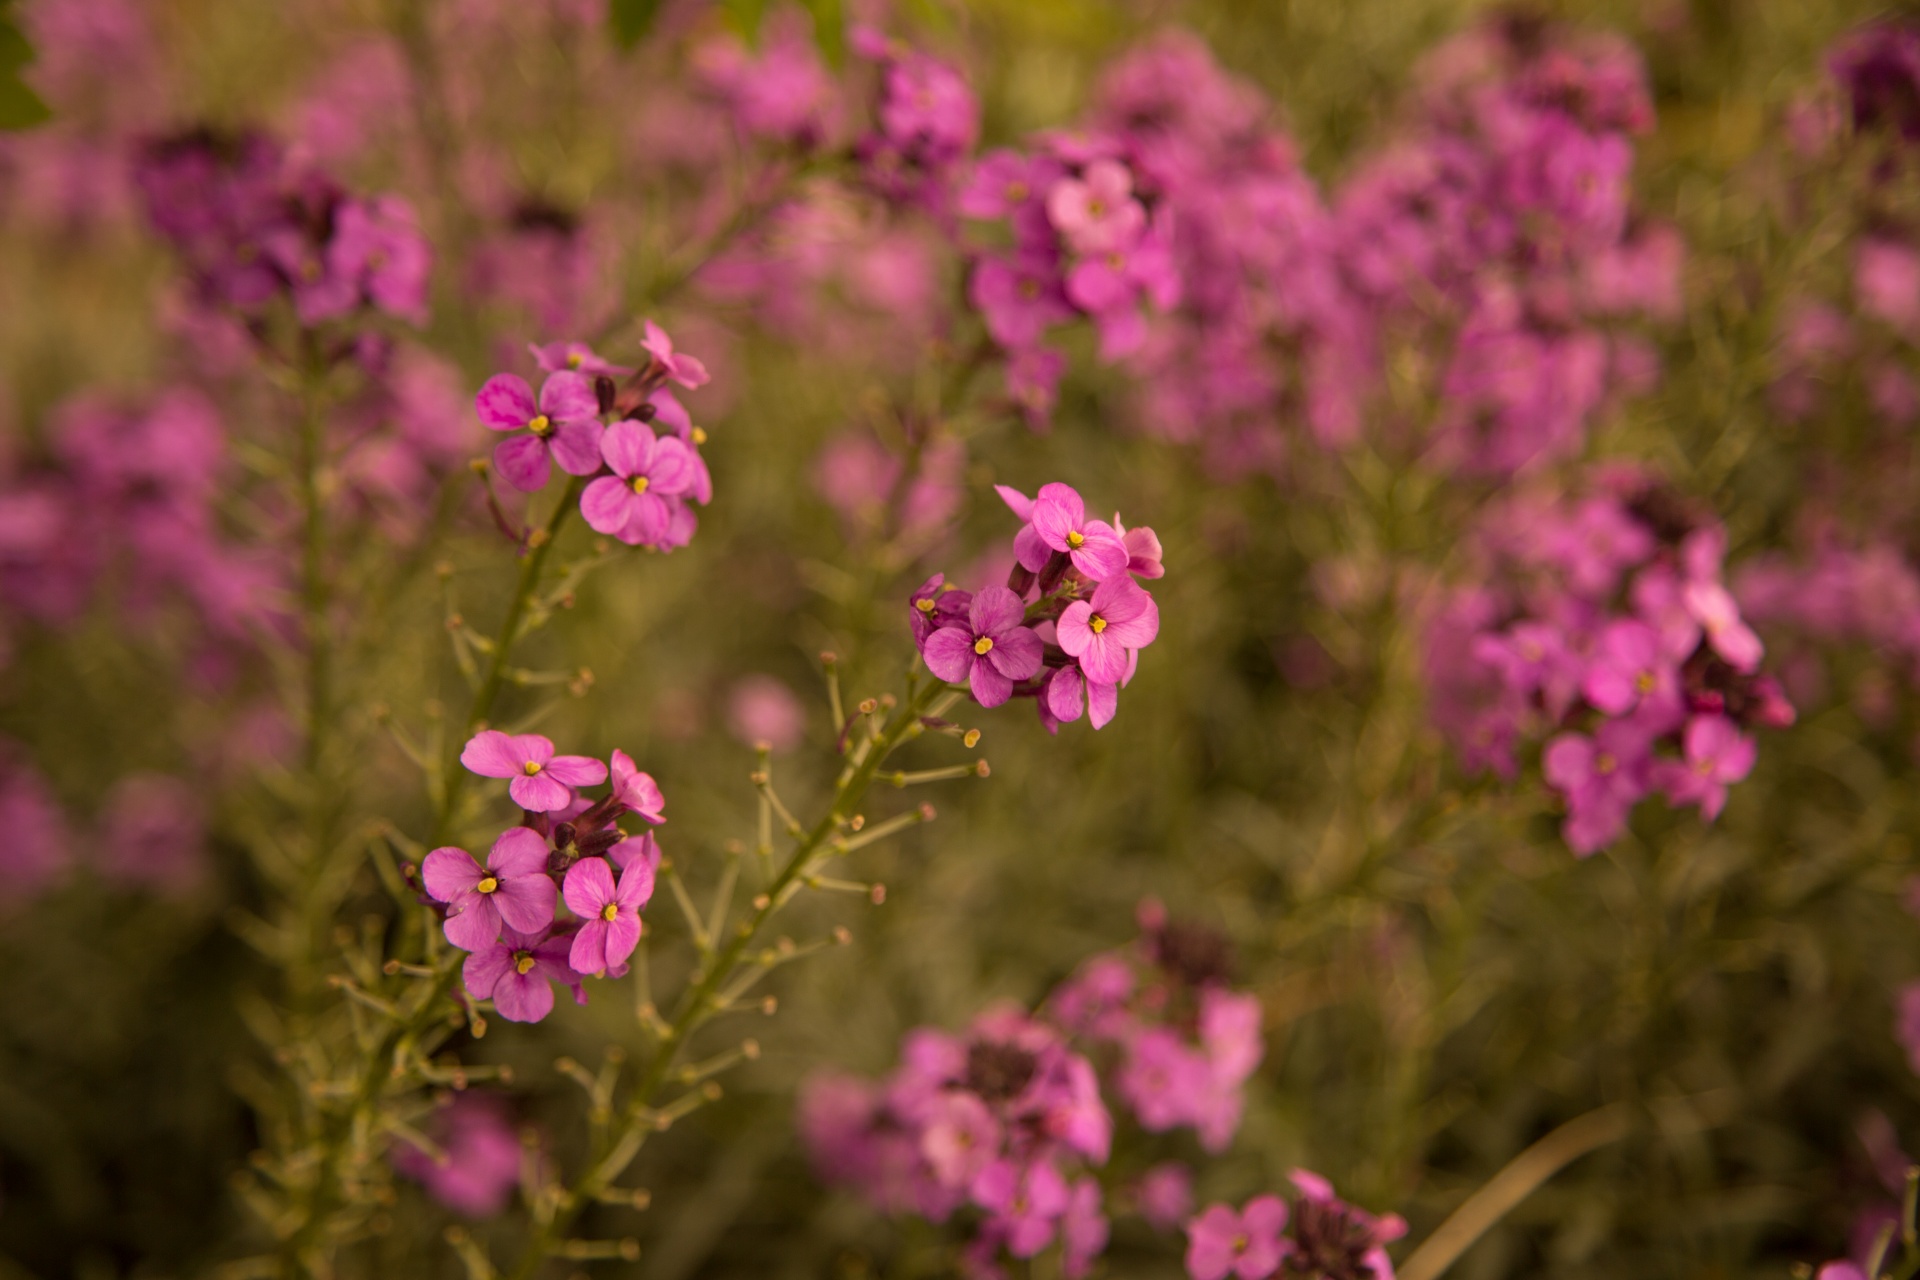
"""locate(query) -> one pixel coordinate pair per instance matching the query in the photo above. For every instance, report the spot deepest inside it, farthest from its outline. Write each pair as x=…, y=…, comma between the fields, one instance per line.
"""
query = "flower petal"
x=1102, y=701
x=674, y=468
x=949, y=653
x=628, y=448
x=608, y=504
x=1104, y=660
x=577, y=771
x=576, y=446
x=1017, y=653
x=589, y=952
x=526, y=902
x=539, y=793
x=476, y=927
x=995, y=610
x=483, y=969
x=450, y=873
x=505, y=403
x=522, y=462
x=589, y=887
x=490, y=753
x=636, y=883
x=1072, y=630
x=569, y=395
x=523, y=997
x=990, y=688
x=623, y=935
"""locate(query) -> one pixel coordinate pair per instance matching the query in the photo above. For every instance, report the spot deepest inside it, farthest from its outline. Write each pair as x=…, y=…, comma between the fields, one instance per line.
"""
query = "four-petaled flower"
x=634, y=791
x=575, y=357
x=564, y=425
x=542, y=781
x=611, y=913
x=1060, y=520
x=990, y=651
x=517, y=971
x=635, y=504
x=512, y=888
x=1101, y=632
x=1247, y=1244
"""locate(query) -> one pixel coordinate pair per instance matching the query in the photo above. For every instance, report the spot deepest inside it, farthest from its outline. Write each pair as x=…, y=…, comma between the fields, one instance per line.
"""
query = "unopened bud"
x=856, y=822
x=750, y=1050
x=604, y=391
x=842, y=935
x=770, y=1005
x=970, y=739
x=761, y=902
x=980, y=768
x=878, y=893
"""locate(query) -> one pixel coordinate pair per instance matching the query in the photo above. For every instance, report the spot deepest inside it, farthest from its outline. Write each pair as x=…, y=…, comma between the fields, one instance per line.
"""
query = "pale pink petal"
x=450, y=873
x=577, y=771
x=505, y=403
x=1102, y=701
x=522, y=462
x=607, y=505
x=674, y=468
x=949, y=653
x=1072, y=631
x=589, y=887
x=628, y=448
x=539, y=793
x=1017, y=502
x=491, y=754
x=576, y=446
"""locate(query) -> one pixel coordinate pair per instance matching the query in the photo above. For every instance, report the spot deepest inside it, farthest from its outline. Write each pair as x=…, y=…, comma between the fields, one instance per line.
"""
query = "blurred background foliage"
x=1444, y=982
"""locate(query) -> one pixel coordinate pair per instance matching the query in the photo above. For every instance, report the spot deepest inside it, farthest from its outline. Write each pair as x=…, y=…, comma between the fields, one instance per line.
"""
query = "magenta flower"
x=683, y=369
x=1164, y=1195
x=513, y=888
x=542, y=781
x=1002, y=181
x=636, y=792
x=575, y=357
x=611, y=913
x=1026, y=1203
x=1716, y=754
x=1602, y=778
x=1083, y=1230
x=1162, y=1078
x=991, y=651
x=1247, y=1244
x=378, y=243
x=1096, y=213
x=1061, y=697
x=482, y=1165
x=1144, y=553
x=517, y=973
x=636, y=503
x=1712, y=606
x=1100, y=633
x=1629, y=669
x=563, y=426
x=1327, y=1231
x=1018, y=297
x=1060, y=520
x=961, y=1137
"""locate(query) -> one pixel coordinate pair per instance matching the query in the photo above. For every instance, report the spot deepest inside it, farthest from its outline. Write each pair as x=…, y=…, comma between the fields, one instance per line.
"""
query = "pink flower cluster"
x=1182, y=1044
x=1086, y=242
x=643, y=483
x=1068, y=627
x=1605, y=629
x=129, y=498
x=566, y=852
x=482, y=1156
x=149, y=833
x=1010, y=1122
x=999, y=1120
x=925, y=122
x=1318, y=1237
x=252, y=226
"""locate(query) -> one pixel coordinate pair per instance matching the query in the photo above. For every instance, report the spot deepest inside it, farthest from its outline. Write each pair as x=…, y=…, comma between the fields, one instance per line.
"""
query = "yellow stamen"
x=1645, y=682
x=699, y=435
x=609, y=911
x=523, y=962
x=924, y=606
x=488, y=885
x=983, y=645
x=575, y=359
x=1076, y=539
x=1017, y=191
x=1096, y=624
x=541, y=425
x=530, y=768
x=1604, y=763
x=639, y=484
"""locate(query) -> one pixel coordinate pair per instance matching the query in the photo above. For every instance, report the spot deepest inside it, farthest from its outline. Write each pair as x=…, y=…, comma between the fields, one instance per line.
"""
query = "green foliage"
x=20, y=106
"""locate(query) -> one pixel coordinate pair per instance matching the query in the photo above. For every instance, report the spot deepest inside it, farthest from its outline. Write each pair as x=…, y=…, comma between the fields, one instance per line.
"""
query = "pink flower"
x=517, y=971
x=634, y=791
x=1002, y=181
x=1162, y=1078
x=934, y=605
x=482, y=1165
x=637, y=503
x=681, y=368
x=513, y=888
x=1886, y=281
x=1096, y=213
x=1101, y=633
x=1629, y=671
x=991, y=651
x=612, y=914
x=378, y=244
x=564, y=425
x=1018, y=297
x=1061, y=697
x=575, y=357
x=1164, y=1195
x=1026, y=1203
x=542, y=781
x=1716, y=754
x=762, y=709
x=1247, y=1244
x=1712, y=606
x=1602, y=777
x=1083, y=1230
x=1093, y=546
x=960, y=1137
x=1327, y=1231
x=1143, y=550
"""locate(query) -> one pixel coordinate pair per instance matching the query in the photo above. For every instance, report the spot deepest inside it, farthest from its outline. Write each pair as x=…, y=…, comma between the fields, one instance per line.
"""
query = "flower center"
x=1076, y=539
x=1645, y=682
x=541, y=425
x=983, y=645
x=1096, y=208
x=530, y=768
x=523, y=962
x=1240, y=1243
x=1016, y=191
x=575, y=359
x=1605, y=763
x=1096, y=624
x=609, y=911
x=489, y=884
x=1703, y=767
x=639, y=484
x=924, y=606
x=1029, y=289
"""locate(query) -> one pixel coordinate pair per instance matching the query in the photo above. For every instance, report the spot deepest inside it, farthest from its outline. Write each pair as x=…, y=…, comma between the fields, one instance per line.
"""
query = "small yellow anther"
x=983, y=645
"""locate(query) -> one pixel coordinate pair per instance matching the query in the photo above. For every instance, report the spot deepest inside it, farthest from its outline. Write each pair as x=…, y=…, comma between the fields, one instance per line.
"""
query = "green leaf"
x=631, y=19
x=20, y=107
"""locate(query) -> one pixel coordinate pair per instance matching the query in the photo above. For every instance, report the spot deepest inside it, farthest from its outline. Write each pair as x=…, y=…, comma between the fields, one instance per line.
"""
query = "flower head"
x=542, y=782
x=611, y=912
x=575, y=357
x=517, y=971
x=1248, y=1244
x=563, y=426
x=675, y=365
x=512, y=888
x=990, y=651
x=1100, y=633
x=638, y=503
x=1060, y=521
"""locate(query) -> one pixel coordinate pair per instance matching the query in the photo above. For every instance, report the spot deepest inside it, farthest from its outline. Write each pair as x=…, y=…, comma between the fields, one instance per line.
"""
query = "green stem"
x=696, y=1004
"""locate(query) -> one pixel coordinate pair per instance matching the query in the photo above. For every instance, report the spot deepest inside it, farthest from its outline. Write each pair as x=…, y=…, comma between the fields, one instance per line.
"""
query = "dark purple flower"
x=565, y=424
x=991, y=651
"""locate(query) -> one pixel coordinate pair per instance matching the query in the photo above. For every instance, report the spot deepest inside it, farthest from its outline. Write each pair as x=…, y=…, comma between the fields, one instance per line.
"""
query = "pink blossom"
x=1713, y=607
x=1101, y=632
x=1164, y=1195
x=639, y=501
x=1083, y=1230
x=611, y=913
x=934, y=605
x=1886, y=281
x=517, y=971
x=1096, y=213
x=481, y=1168
x=1060, y=521
x=1628, y=671
x=1716, y=754
x=575, y=357
x=635, y=791
x=762, y=709
x=378, y=243
x=1326, y=1230
x=1248, y=1244
x=1602, y=777
x=677, y=366
x=1019, y=297
x=990, y=651
x=513, y=888
x=564, y=426
x=1026, y=1203
x=542, y=781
